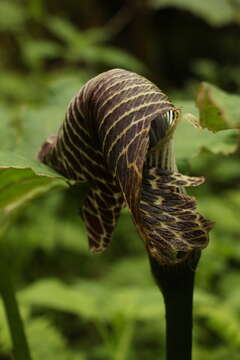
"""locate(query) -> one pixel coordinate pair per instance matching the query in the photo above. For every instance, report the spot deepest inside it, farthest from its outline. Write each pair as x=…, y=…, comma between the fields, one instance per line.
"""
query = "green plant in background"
x=26, y=179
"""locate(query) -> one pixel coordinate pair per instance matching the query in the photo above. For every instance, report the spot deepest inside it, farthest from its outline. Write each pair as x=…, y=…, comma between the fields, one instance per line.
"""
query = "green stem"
x=177, y=285
x=19, y=340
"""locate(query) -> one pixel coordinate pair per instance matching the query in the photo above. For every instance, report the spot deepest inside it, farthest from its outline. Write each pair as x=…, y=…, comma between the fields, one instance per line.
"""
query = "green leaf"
x=218, y=109
x=191, y=138
x=216, y=12
x=21, y=180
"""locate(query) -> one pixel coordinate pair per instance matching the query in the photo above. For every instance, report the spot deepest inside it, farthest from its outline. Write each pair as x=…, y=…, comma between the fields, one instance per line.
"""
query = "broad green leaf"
x=14, y=161
x=22, y=177
x=191, y=138
x=218, y=109
x=216, y=12
x=21, y=180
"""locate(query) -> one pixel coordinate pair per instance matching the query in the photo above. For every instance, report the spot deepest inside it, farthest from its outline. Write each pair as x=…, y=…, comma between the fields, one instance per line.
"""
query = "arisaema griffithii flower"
x=118, y=136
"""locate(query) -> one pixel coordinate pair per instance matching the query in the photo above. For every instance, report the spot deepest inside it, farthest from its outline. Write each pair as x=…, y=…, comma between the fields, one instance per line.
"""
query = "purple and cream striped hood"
x=118, y=137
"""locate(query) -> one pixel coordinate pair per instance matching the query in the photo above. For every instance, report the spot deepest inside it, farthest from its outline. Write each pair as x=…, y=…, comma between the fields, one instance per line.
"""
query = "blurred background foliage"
x=76, y=305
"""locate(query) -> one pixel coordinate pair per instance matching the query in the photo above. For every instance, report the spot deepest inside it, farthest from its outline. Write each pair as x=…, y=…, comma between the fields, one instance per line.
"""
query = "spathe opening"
x=161, y=149
x=161, y=127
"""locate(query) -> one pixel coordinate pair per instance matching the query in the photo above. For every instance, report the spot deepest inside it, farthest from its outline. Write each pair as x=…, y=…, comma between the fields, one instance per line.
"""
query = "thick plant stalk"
x=177, y=286
x=19, y=341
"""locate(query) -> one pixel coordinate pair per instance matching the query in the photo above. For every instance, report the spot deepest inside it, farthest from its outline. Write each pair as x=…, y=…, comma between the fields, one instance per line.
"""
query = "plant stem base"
x=19, y=341
x=177, y=285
